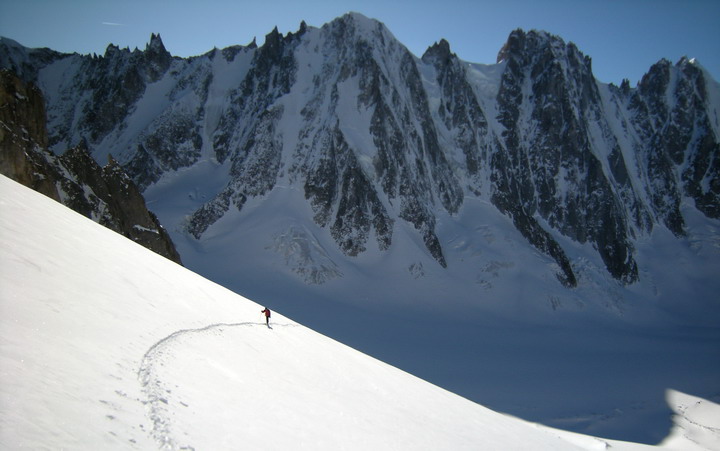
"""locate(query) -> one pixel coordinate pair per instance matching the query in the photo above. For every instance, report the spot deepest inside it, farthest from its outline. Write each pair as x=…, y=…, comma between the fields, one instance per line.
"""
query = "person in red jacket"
x=267, y=316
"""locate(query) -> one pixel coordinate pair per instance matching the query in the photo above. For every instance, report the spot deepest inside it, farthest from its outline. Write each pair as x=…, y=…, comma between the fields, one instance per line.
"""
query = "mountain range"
x=374, y=136
x=339, y=178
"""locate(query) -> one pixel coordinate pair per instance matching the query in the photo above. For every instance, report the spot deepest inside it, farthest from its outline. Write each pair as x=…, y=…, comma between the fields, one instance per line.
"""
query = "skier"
x=267, y=316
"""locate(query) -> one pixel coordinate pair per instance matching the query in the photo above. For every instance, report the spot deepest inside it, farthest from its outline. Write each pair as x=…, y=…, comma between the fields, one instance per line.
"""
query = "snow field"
x=105, y=345
x=597, y=359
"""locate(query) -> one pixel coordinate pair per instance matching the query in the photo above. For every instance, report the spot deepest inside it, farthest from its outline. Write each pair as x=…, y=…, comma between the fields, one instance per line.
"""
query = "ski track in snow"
x=156, y=391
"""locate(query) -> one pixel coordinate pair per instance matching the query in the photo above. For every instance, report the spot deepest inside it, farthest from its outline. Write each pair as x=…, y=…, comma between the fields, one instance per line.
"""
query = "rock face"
x=548, y=101
x=676, y=121
x=375, y=137
x=105, y=194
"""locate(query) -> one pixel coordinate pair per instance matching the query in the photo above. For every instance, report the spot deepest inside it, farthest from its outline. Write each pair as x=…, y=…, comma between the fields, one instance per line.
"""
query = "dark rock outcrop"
x=551, y=169
x=105, y=194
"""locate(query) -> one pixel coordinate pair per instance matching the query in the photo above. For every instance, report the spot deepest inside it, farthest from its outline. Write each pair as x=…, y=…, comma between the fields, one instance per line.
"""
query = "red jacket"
x=266, y=312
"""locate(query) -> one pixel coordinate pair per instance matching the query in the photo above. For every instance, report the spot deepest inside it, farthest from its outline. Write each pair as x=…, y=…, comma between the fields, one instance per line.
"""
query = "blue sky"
x=623, y=38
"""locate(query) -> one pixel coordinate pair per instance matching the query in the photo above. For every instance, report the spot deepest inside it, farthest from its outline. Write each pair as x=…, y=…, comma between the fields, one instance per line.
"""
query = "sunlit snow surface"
x=104, y=344
x=496, y=327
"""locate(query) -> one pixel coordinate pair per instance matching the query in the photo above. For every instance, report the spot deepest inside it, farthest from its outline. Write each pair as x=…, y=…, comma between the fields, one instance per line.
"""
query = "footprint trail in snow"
x=157, y=390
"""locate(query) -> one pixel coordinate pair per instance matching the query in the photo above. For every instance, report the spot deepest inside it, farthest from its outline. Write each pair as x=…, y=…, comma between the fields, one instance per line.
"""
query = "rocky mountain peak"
x=273, y=40
x=525, y=47
x=512, y=46
x=156, y=58
x=155, y=50
x=625, y=87
x=155, y=45
x=112, y=50
x=657, y=78
x=547, y=100
x=438, y=53
x=275, y=49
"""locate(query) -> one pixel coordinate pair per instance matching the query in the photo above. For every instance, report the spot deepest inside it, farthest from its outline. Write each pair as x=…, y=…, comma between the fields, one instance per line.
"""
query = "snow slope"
x=498, y=329
x=104, y=344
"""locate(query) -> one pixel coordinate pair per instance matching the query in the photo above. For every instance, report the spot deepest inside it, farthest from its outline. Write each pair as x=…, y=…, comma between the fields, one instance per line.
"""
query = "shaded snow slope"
x=498, y=329
x=104, y=344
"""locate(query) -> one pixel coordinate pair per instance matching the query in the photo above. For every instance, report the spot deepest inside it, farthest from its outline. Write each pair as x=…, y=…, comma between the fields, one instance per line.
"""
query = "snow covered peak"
x=440, y=52
x=355, y=26
x=360, y=20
